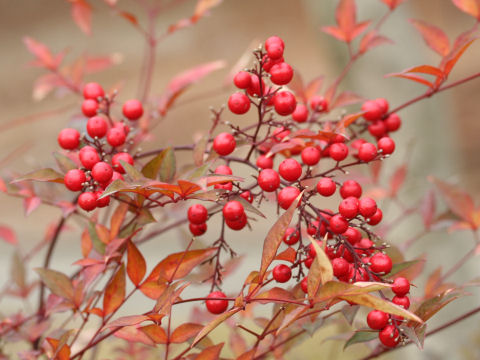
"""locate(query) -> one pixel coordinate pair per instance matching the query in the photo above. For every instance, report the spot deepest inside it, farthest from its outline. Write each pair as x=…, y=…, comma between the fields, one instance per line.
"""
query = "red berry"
x=126, y=157
x=401, y=286
x=308, y=262
x=223, y=170
x=372, y=110
x=69, y=139
x=264, y=162
x=237, y=224
x=103, y=202
x=389, y=336
x=311, y=155
x=290, y=169
x=300, y=114
x=238, y=103
x=284, y=103
x=89, y=157
x=403, y=301
x=348, y=208
x=340, y=267
x=268, y=180
x=274, y=40
x=115, y=176
x=287, y=196
x=352, y=235
x=233, y=210
x=197, y=214
x=102, y=172
x=280, y=133
x=224, y=143
x=377, y=128
x=89, y=107
x=377, y=319
x=326, y=187
x=318, y=103
x=217, y=306
x=376, y=218
x=227, y=186
x=281, y=74
x=381, y=263
x=350, y=188
x=132, y=109
x=338, y=224
x=254, y=88
x=367, y=207
x=383, y=104
x=282, y=273
x=393, y=122
x=387, y=145
x=198, y=229
x=74, y=179
x=367, y=152
x=291, y=236
x=275, y=51
x=304, y=284
x=242, y=80
x=87, y=201
x=93, y=91
x=365, y=244
x=338, y=151
x=116, y=136
x=97, y=126
x=247, y=195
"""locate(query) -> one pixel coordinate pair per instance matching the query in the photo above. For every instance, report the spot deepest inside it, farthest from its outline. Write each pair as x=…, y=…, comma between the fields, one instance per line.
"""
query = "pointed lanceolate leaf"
x=58, y=283
x=210, y=353
x=162, y=165
x=372, y=40
x=48, y=174
x=434, y=37
x=127, y=321
x=213, y=324
x=184, y=332
x=451, y=59
x=471, y=7
x=136, y=266
x=361, y=337
x=8, y=235
x=392, y=4
x=82, y=15
x=321, y=270
x=64, y=162
x=114, y=292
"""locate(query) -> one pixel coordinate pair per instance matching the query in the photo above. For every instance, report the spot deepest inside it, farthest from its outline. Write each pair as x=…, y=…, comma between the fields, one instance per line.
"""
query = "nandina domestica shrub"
x=317, y=265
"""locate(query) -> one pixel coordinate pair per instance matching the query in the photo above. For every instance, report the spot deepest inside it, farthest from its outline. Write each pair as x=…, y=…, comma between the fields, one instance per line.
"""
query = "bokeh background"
x=440, y=136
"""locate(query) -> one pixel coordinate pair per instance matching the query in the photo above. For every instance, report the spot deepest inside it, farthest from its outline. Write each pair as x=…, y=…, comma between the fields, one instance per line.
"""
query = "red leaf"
x=210, y=353
x=425, y=69
x=132, y=19
x=100, y=63
x=471, y=7
x=397, y=179
x=287, y=255
x=156, y=333
x=136, y=266
x=392, y=4
x=451, y=59
x=427, y=208
x=433, y=36
x=345, y=15
x=8, y=235
x=335, y=32
x=114, y=292
x=82, y=15
x=127, y=321
x=371, y=40
x=30, y=204
x=412, y=77
x=134, y=334
x=41, y=52
x=185, y=332
x=347, y=98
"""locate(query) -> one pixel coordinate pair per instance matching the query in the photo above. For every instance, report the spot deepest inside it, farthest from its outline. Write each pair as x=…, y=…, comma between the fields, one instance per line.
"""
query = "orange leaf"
x=60, y=352
x=449, y=61
x=42, y=53
x=210, y=353
x=152, y=289
x=392, y=4
x=58, y=283
x=156, y=333
x=86, y=243
x=185, y=332
x=114, y=292
x=287, y=255
x=127, y=321
x=321, y=270
x=136, y=266
x=203, y=6
x=434, y=37
x=82, y=15
x=425, y=69
x=471, y=7
x=345, y=15
x=134, y=334
x=276, y=293
x=371, y=40
x=412, y=77
x=213, y=324
x=117, y=218
x=132, y=19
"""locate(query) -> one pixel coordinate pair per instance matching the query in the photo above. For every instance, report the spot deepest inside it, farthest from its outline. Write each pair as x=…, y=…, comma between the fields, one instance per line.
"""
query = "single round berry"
x=350, y=188
x=377, y=128
x=93, y=91
x=197, y=214
x=308, y=262
x=233, y=210
x=383, y=104
x=237, y=224
x=318, y=103
x=290, y=169
x=326, y=187
x=224, y=144
x=338, y=224
x=311, y=155
x=367, y=207
x=376, y=218
x=281, y=74
x=247, y=195
x=401, y=286
x=372, y=110
x=338, y=151
x=88, y=157
x=87, y=201
x=216, y=305
x=381, y=263
x=69, y=139
x=97, y=127
x=102, y=172
x=197, y=229
x=116, y=136
x=104, y=201
x=402, y=301
x=348, y=208
x=387, y=145
x=304, y=284
x=291, y=236
x=365, y=244
x=121, y=156
x=393, y=122
x=132, y=109
x=367, y=152
x=74, y=179
x=268, y=180
x=264, y=162
x=300, y=114
x=377, y=319
x=89, y=107
x=254, y=87
x=352, y=235
x=274, y=40
x=116, y=176
x=238, y=103
x=287, y=196
x=227, y=186
x=223, y=170
x=282, y=273
x=389, y=336
x=340, y=267
x=242, y=80
x=284, y=103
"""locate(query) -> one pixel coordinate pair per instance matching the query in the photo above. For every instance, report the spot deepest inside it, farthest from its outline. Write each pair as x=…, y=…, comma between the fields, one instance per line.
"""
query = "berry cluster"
x=99, y=151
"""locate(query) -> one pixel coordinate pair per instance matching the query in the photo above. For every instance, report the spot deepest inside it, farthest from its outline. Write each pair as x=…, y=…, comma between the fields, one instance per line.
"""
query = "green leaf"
x=361, y=337
x=168, y=166
x=98, y=245
x=48, y=175
x=64, y=162
x=249, y=207
x=133, y=173
x=396, y=268
x=321, y=270
x=199, y=150
x=58, y=283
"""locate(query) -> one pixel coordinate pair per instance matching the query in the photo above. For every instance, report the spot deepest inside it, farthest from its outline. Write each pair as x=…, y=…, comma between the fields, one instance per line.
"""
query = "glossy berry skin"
x=311, y=156
x=268, y=180
x=318, y=103
x=237, y=224
x=287, y=196
x=254, y=87
x=223, y=170
x=304, y=284
x=216, y=306
x=264, y=162
x=377, y=319
x=367, y=152
x=116, y=136
x=247, y=195
x=300, y=114
x=93, y=91
x=290, y=169
x=348, y=208
x=338, y=224
x=389, y=336
x=377, y=128
x=350, y=188
x=282, y=273
x=352, y=235
x=281, y=74
x=224, y=144
x=381, y=263
x=197, y=229
x=403, y=301
x=238, y=103
x=376, y=218
x=242, y=80
x=401, y=286
x=284, y=103
x=291, y=236
x=89, y=107
x=102, y=172
x=116, y=176
x=197, y=214
x=88, y=157
x=103, y=202
x=132, y=109
x=87, y=201
x=275, y=51
x=340, y=267
x=97, y=127
x=74, y=179
x=326, y=187
x=274, y=40
x=338, y=151
x=393, y=122
x=233, y=210
x=372, y=110
x=367, y=207
x=123, y=156
x=383, y=104
x=387, y=145
x=69, y=139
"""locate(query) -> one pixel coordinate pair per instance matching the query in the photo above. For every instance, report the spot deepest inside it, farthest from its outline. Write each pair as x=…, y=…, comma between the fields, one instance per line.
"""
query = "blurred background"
x=440, y=136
